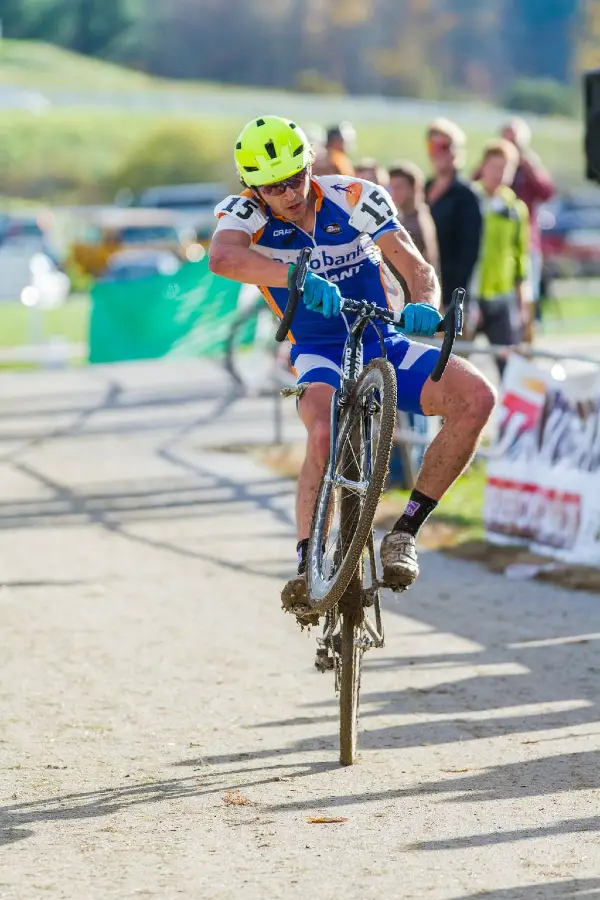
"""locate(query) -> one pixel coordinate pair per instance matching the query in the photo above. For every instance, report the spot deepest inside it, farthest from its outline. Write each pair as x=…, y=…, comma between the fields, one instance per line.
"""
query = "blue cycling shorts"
x=412, y=361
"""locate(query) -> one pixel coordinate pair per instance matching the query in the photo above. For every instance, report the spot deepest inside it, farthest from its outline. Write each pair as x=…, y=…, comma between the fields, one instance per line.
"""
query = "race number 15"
x=380, y=201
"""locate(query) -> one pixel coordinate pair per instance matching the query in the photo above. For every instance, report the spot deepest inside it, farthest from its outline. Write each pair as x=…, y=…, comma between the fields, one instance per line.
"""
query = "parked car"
x=193, y=204
x=130, y=265
x=28, y=230
x=102, y=233
x=570, y=229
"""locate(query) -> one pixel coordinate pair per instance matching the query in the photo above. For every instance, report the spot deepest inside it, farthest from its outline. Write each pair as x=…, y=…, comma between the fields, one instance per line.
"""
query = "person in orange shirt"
x=335, y=159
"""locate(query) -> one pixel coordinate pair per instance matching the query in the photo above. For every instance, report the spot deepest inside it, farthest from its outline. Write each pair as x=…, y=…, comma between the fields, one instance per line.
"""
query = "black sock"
x=301, y=548
x=418, y=508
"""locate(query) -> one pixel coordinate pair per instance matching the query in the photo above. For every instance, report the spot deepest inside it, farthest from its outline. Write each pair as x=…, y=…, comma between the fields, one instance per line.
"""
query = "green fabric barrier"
x=186, y=314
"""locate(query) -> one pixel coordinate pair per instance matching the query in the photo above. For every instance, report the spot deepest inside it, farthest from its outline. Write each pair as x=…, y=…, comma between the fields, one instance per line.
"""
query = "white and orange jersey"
x=351, y=214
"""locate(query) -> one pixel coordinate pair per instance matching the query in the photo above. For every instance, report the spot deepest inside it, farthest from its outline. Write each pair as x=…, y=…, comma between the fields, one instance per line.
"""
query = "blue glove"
x=421, y=318
x=322, y=296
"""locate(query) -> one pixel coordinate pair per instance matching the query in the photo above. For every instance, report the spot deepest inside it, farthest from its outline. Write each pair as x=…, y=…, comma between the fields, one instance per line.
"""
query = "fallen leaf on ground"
x=324, y=820
x=455, y=771
x=234, y=798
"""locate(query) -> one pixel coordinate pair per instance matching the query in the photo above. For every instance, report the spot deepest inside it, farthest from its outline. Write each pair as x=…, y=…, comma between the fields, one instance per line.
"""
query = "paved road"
x=163, y=732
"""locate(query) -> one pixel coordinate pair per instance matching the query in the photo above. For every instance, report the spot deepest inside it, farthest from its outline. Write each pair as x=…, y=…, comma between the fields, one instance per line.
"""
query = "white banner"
x=543, y=486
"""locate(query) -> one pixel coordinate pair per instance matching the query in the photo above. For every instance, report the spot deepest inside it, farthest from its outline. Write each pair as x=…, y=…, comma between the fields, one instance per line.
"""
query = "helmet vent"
x=298, y=150
x=293, y=125
x=260, y=122
x=238, y=146
x=250, y=168
x=270, y=148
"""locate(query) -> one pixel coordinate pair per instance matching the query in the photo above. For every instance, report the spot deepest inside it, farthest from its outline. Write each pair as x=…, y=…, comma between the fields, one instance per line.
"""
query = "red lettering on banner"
x=525, y=510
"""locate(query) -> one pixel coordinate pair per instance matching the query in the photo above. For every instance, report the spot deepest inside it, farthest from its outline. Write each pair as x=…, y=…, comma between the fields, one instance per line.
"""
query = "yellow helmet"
x=271, y=149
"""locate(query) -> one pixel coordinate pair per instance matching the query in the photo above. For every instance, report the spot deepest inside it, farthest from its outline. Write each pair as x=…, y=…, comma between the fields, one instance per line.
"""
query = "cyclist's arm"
x=231, y=255
x=400, y=252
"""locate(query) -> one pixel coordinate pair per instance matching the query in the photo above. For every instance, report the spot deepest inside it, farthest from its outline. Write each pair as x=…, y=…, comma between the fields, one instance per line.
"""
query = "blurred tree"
x=172, y=154
x=540, y=37
x=473, y=56
x=588, y=37
x=348, y=13
x=17, y=17
x=540, y=95
x=423, y=48
x=87, y=26
x=95, y=24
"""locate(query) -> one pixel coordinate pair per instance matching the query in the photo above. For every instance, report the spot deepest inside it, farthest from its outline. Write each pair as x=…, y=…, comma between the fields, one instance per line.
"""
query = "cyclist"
x=350, y=224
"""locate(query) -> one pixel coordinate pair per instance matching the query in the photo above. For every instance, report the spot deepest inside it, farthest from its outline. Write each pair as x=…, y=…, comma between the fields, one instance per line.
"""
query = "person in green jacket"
x=500, y=279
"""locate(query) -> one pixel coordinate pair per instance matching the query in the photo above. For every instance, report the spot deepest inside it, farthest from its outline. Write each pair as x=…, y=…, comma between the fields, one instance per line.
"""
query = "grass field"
x=99, y=113
x=36, y=66
x=572, y=316
x=459, y=517
x=69, y=321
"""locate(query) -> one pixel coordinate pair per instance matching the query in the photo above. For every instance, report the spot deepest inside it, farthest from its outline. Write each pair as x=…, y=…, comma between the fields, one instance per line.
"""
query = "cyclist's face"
x=288, y=199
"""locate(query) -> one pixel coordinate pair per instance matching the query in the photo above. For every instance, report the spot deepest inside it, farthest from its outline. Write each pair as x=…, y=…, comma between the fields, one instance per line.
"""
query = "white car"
x=193, y=203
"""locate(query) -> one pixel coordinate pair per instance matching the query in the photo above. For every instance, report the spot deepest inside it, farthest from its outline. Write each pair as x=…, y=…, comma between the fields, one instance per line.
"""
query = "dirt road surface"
x=164, y=734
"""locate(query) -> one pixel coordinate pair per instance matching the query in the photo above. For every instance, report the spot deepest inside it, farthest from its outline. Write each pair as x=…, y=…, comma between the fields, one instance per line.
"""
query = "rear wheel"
x=351, y=603
x=351, y=660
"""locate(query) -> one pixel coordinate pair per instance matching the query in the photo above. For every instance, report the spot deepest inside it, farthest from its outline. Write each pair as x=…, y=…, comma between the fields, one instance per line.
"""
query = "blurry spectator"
x=504, y=258
x=407, y=187
x=317, y=136
x=370, y=170
x=335, y=160
x=533, y=185
x=454, y=207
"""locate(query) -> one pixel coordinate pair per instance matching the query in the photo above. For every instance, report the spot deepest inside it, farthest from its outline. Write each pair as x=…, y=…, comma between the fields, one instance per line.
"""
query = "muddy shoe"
x=324, y=660
x=399, y=560
x=294, y=600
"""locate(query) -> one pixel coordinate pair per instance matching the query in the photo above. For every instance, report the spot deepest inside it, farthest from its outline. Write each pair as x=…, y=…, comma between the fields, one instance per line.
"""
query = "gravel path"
x=164, y=733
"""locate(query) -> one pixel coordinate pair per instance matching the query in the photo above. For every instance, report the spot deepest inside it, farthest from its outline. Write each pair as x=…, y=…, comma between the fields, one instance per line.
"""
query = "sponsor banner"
x=187, y=314
x=543, y=486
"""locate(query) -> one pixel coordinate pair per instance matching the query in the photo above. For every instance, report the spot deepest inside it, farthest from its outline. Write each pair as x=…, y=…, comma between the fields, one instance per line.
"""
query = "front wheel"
x=350, y=490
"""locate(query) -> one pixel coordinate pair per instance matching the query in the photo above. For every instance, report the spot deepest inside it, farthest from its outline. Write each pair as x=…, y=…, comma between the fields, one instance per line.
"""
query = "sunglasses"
x=437, y=145
x=280, y=187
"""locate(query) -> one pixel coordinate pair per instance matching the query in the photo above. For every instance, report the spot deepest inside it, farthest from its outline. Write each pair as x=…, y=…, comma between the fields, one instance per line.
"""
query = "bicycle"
x=363, y=418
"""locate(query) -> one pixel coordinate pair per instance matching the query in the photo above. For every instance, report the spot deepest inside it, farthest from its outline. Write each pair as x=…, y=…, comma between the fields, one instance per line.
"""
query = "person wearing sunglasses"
x=351, y=225
x=454, y=207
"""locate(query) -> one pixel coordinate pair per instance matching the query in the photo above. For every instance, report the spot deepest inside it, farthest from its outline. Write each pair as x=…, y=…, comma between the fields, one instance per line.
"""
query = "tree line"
x=416, y=48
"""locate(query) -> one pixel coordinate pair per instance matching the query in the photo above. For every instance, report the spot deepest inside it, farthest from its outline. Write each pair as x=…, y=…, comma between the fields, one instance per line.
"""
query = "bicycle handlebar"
x=451, y=325
x=296, y=291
